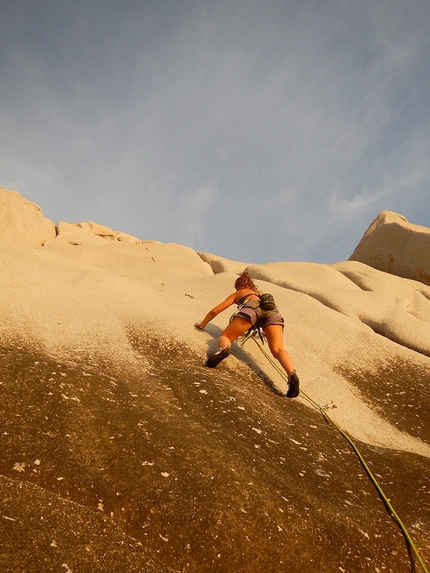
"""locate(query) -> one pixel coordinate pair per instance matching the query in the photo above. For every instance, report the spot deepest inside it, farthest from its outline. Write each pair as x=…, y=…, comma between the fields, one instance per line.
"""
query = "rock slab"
x=393, y=245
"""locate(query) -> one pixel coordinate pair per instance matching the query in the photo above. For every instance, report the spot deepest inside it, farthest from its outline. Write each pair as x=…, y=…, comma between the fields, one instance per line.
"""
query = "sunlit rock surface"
x=122, y=452
x=394, y=245
x=21, y=222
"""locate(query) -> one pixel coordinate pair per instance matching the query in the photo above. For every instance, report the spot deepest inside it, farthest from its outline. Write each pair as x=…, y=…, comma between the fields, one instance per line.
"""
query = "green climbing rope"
x=356, y=450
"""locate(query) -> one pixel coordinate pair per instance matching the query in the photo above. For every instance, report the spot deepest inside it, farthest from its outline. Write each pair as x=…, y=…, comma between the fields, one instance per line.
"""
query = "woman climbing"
x=250, y=313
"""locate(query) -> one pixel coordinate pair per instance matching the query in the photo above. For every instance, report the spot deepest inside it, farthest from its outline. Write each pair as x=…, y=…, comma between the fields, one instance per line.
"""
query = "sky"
x=256, y=130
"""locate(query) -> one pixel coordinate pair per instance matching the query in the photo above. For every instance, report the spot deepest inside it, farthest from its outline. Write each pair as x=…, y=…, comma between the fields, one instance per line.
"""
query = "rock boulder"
x=394, y=245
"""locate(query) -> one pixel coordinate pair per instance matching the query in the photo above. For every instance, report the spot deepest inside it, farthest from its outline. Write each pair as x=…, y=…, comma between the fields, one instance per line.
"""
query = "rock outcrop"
x=22, y=223
x=122, y=452
x=90, y=232
x=393, y=245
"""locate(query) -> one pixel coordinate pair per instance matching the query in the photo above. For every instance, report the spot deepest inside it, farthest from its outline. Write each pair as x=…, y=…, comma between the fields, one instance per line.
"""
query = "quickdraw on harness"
x=253, y=332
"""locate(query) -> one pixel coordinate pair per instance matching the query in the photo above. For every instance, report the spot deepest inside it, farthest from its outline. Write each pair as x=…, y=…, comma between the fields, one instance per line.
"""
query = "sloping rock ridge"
x=393, y=245
x=122, y=452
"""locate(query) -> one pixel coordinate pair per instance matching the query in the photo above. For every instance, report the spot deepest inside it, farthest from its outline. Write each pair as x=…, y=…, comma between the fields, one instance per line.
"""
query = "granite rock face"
x=393, y=245
x=121, y=452
x=22, y=223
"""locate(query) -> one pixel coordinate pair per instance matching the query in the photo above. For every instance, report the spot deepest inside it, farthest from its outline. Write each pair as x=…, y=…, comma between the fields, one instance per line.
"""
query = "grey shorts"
x=260, y=318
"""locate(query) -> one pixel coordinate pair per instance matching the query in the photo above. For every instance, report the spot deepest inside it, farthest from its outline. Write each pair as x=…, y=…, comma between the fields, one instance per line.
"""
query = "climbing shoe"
x=294, y=389
x=216, y=358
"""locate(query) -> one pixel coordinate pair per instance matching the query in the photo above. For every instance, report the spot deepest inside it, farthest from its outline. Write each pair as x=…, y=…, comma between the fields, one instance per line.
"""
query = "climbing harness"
x=253, y=333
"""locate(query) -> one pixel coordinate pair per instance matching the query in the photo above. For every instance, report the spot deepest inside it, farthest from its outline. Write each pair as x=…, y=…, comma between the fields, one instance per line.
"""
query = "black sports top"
x=246, y=296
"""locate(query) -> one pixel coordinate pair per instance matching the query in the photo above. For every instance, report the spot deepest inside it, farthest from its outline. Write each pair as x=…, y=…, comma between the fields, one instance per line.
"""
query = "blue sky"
x=256, y=130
